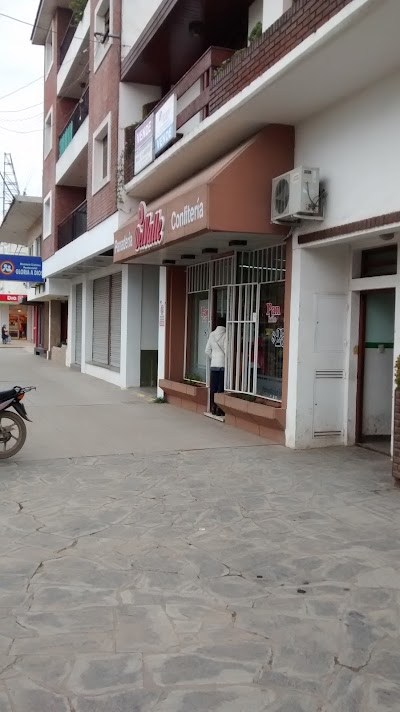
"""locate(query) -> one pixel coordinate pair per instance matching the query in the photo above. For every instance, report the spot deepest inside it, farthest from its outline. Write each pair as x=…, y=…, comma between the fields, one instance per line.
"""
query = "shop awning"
x=232, y=197
x=23, y=213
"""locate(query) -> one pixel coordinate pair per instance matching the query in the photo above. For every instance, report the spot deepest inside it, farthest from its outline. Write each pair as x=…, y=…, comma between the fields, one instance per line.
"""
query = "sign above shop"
x=165, y=125
x=12, y=298
x=21, y=268
x=150, y=229
x=144, y=144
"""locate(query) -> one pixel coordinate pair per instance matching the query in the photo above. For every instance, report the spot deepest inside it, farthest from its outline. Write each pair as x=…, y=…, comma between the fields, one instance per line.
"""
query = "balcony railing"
x=73, y=226
x=74, y=123
x=68, y=37
x=201, y=75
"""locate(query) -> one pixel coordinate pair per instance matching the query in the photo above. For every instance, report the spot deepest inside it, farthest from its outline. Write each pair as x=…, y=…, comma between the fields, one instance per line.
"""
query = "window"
x=49, y=51
x=38, y=247
x=48, y=133
x=104, y=149
x=102, y=31
x=30, y=251
x=101, y=155
x=379, y=261
x=269, y=361
x=47, y=222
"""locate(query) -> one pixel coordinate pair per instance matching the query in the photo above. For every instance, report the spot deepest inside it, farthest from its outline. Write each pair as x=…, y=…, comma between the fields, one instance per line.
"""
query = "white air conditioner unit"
x=296, y=196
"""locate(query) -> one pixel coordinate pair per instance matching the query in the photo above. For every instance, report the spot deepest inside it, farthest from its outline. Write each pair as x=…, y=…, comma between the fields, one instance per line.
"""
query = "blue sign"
x=21, y=268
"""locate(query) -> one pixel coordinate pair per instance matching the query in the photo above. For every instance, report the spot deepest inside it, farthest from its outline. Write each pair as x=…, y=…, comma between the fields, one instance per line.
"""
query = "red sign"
x=13, y=298
x=150, y=229
x=272, y=312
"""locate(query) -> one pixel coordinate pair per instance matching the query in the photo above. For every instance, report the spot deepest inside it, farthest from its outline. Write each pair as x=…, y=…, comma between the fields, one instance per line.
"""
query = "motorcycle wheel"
x=12, y=434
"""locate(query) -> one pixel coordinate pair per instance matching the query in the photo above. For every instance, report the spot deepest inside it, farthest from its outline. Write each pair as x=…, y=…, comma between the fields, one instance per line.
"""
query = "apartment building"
x=194, y=110
x=20, y=235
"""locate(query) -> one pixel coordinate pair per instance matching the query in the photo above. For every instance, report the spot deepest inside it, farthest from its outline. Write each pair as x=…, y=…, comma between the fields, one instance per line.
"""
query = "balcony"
x=73, y=226
x=71, y=166
x=74, y=57
x=193, y=98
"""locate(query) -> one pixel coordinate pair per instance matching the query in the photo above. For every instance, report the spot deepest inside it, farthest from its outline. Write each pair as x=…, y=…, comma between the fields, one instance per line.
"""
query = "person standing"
x=4, y=334
x=215, y=350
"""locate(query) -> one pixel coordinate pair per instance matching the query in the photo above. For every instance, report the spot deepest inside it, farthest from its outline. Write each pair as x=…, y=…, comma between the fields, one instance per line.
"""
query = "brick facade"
x=64, y=198
x=103, y=99
x=396, y=438
x=303, y=19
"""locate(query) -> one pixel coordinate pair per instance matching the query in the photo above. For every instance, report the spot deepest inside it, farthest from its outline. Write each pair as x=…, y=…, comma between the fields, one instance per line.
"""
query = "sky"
x=21, y=122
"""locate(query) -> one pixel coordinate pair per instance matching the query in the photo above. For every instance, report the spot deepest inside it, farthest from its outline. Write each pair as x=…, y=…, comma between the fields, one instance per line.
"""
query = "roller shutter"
x=101, y=321
x=78, y=325
x=115, y=320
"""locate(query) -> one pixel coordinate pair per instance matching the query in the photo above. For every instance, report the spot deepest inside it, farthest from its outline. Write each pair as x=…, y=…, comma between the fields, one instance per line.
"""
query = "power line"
x=4, y=128
x=15, y=111
x=24, y=118
x=46, y=29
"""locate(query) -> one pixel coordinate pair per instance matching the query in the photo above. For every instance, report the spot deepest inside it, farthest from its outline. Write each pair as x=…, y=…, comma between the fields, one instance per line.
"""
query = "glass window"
x=198, y=332
x=270, y=341
x=378, y=262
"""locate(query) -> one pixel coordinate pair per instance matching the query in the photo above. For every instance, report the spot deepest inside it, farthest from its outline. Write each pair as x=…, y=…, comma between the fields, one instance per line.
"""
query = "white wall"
x=356, y=144
x=150, y=308
x=273, y=9
x=135, y=16
x=318, y=346
x=255, y=14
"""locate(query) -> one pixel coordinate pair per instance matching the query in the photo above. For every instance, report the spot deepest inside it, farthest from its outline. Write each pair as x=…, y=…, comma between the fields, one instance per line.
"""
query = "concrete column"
x=272, y=11
x=293, y=347
x=162, y=328
x=71, y=326
x=131, y=325
x=396, y=345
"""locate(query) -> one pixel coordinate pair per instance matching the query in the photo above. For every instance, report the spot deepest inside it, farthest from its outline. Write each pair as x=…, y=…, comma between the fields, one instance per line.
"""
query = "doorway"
x=375, y=371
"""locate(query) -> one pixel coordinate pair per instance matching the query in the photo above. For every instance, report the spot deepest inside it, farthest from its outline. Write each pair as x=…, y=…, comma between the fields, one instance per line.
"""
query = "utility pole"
x=9, y=181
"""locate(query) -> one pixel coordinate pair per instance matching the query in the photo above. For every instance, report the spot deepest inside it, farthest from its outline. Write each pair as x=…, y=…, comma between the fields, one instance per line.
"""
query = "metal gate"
x=78, y=325
x=115, y=320
x=242, y=338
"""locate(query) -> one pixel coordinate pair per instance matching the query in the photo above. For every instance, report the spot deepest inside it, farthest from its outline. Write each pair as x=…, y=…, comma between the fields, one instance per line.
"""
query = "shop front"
x=220, y=257
x=14, y=315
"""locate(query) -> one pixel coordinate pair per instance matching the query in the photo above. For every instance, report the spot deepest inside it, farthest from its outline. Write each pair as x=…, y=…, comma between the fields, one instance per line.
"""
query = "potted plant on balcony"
x=78, y=8
x=254, y=35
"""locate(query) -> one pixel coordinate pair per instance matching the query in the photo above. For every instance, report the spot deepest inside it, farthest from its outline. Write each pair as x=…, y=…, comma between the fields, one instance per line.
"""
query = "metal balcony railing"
x=73, y=226
x=74, y=123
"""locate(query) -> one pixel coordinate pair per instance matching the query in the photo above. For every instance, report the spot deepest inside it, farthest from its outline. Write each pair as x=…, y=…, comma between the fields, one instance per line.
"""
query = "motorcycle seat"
x=7, y=395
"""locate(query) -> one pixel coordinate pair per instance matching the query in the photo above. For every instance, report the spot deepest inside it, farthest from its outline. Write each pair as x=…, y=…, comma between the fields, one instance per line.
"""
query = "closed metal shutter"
x=78, y=325
x=101, y=321
x=115, y=320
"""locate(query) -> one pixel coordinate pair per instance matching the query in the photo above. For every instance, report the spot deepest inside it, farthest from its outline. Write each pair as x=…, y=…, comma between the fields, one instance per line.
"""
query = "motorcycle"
x=12, y=425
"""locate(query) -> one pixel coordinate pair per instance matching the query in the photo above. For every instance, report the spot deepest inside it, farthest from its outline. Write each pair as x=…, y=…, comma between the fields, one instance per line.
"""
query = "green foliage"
x=78, y=8
x=397, y=372
x=160, y=400
x=256, y=32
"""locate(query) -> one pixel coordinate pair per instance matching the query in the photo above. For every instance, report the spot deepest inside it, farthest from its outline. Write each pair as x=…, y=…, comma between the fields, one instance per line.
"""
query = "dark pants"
x=217, y=382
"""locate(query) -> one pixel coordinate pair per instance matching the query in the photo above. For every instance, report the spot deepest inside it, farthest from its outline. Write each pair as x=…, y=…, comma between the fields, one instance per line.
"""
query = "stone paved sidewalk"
x=245, y=579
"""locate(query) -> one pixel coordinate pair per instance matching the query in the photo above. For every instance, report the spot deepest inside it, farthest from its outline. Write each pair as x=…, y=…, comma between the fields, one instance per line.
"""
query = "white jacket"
x=215, y=348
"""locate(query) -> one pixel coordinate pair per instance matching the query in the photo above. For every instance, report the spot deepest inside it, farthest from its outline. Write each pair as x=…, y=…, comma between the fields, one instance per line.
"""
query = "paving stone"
x=28, y=697
x=145, y=628
x=4, y=701
x=132, y=701
x=191, y=669
x=106, y=673
x=222, y=699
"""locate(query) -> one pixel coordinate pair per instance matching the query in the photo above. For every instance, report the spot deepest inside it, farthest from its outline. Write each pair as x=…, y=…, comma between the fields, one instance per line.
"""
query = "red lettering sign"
x=150, y=229
x=16, y=298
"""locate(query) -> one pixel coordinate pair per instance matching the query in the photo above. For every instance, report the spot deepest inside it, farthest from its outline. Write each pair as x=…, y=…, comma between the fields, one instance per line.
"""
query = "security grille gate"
x=78, y=325
x=241, y=337
x=107, y=293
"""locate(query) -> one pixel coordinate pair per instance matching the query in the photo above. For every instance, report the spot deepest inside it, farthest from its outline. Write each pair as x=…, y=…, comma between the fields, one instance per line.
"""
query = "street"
x=152, y=560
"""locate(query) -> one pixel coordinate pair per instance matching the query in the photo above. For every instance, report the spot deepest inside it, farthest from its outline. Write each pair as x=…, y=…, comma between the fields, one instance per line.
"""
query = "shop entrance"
x=18, y=316
x=375, y=372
